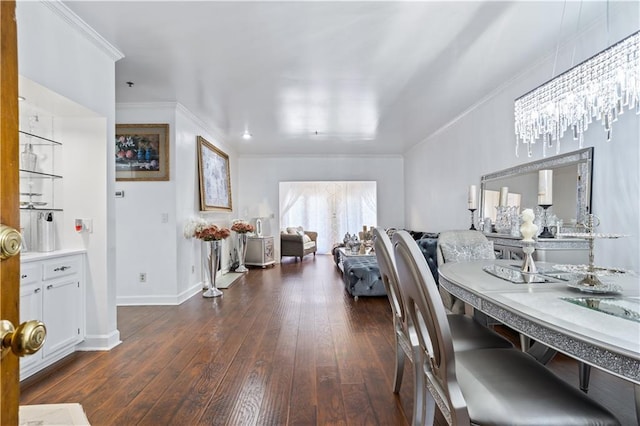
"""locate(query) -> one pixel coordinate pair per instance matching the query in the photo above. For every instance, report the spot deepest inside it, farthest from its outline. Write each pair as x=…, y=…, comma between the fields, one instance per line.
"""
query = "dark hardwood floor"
x=283, y=346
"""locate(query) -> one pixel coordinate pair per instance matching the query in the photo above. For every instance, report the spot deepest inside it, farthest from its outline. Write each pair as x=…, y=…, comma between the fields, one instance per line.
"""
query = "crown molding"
x=146, y=105
x=177, y=107
x=323, y=156
x=83, y=28
x=211, y=129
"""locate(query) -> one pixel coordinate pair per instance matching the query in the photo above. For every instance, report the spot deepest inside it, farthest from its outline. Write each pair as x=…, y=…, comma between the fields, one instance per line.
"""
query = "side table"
x=259, y=251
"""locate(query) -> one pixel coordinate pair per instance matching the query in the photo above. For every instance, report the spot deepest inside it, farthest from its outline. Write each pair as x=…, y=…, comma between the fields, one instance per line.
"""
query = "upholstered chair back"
x=464, y=245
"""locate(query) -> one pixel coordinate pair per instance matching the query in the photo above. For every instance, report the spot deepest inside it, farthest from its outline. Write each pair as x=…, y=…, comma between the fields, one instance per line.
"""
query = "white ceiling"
x=368, y=77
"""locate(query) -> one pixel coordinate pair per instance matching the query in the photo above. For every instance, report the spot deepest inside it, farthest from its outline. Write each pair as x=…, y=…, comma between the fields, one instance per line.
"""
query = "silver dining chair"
x=466, y=333
x=497, y=386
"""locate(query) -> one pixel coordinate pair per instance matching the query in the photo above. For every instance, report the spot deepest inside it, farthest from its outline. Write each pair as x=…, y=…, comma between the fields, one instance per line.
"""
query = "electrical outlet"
x=142, y=277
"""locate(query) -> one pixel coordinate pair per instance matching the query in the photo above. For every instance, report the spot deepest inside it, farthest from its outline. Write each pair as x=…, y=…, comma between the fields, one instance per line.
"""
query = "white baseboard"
x=163, y=300
x=100, y=342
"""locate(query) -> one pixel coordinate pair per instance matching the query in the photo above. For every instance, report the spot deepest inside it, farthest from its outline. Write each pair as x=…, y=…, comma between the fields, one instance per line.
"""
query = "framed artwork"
x=142, y=152
x=215, y=178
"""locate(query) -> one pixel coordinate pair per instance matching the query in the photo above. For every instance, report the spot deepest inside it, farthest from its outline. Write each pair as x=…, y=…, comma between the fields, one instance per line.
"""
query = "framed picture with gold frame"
x=142, y=152
x=215, y=177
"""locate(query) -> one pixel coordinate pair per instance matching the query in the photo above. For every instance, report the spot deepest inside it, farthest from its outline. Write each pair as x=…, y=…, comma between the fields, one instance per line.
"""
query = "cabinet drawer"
x=61, y=267
x=30, y=273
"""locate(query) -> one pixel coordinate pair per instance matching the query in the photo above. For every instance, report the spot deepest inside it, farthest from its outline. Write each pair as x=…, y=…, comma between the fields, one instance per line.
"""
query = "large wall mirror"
x=572, y=174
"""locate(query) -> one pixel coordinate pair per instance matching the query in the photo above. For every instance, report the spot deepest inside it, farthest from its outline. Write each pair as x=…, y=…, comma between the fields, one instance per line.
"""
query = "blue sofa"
x=361, y=274
x=362, y=277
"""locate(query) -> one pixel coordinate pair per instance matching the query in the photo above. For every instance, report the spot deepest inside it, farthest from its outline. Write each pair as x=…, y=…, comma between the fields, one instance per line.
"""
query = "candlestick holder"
x=546, y=233
x=473, y=227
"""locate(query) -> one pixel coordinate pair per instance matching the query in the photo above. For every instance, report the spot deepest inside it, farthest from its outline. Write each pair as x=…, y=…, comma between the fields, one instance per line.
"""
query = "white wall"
x=189, y=264
x=57, y=52
x=144, y=242
x=148, y=245
x=482, y=141
x=259, y=178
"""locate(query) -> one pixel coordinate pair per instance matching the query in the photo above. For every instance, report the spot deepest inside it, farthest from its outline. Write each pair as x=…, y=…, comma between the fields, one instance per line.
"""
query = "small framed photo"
x=215, y=177
x=142, y=152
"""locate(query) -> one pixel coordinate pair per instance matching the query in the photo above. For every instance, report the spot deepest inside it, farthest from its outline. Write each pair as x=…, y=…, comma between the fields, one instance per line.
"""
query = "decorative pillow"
x=465, y=253
x=301, y=233
x=306, y=238
x=294, y=229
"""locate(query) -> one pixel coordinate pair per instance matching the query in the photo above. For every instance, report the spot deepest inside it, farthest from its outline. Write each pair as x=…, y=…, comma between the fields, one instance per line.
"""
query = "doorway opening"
x=330, y=208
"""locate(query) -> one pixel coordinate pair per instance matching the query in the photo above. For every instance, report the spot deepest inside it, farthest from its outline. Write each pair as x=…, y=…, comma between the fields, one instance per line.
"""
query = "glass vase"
x=29, y=158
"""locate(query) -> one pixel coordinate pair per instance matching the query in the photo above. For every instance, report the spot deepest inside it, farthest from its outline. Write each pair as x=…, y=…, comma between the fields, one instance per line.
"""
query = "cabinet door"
x=61, y=312
x=268, y=250
x=30, y=309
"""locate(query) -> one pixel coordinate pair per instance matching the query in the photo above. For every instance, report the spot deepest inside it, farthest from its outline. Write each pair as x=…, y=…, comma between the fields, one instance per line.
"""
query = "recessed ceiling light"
x=246, y=135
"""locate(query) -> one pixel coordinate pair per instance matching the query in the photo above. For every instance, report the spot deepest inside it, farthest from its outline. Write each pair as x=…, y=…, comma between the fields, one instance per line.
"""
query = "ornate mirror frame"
x=582, y=158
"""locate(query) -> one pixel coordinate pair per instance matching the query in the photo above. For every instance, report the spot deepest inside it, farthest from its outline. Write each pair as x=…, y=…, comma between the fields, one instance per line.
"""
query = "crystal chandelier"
x=599, y=88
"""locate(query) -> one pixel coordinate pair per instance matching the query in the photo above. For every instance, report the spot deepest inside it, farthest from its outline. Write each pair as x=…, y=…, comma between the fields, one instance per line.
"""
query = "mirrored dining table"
x=598, y=326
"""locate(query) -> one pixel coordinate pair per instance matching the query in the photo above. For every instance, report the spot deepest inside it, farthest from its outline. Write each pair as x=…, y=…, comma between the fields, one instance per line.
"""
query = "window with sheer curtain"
x=329, y=208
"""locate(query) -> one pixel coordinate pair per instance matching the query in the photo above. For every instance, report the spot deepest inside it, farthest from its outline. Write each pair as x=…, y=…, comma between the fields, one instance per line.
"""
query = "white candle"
x=473, y=197
x=545, y=187
x=504, y=193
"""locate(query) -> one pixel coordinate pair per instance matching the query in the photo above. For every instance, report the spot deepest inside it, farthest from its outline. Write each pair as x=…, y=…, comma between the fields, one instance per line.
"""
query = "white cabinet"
x=259, y=251
x=52, y=291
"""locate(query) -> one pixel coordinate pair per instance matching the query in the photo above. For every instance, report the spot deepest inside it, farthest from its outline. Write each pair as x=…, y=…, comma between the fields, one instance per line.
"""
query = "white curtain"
x=329, y=208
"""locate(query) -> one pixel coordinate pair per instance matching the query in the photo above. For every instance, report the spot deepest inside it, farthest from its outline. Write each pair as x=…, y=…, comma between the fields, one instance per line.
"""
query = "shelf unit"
x=38, y=189
x=40, y=183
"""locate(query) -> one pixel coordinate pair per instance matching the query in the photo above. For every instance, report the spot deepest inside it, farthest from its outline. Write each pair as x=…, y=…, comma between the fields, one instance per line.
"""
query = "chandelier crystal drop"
x=599, y=88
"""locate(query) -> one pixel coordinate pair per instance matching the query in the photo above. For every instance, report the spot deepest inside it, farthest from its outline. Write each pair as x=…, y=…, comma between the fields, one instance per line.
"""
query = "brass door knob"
x=10, y=242
x=27, y=339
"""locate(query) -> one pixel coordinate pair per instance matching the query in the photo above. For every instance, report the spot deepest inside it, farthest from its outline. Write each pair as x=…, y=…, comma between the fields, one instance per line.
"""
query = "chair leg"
x=418, y=389
x=418, y=409
x=400, y=357
x=427, y=405
x=636, y=392
x=429, y=409
x=584, y=373
x=525, y=343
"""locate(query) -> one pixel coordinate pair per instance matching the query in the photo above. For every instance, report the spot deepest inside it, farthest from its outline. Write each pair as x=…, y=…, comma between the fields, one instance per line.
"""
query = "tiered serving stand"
x=590, y=281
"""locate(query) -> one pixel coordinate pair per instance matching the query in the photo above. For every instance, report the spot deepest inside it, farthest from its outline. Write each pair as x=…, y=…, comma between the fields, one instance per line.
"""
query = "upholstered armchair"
x=298, y=242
